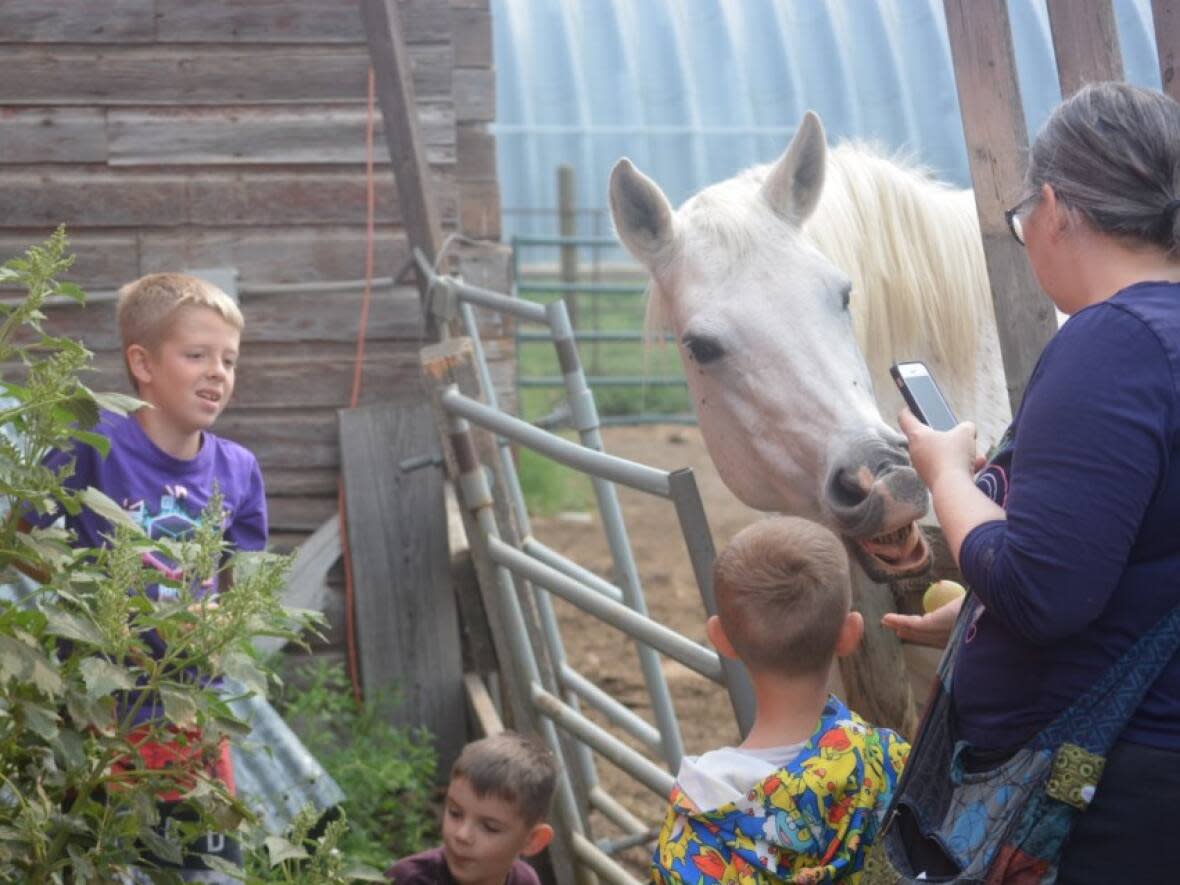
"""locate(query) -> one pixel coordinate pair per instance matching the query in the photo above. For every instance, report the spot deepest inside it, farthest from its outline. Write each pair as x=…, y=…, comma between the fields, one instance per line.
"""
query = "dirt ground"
x=608, y=657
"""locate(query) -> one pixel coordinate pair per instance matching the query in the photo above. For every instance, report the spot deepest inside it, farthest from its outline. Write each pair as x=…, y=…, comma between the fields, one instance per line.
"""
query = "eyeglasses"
x=1012, y=216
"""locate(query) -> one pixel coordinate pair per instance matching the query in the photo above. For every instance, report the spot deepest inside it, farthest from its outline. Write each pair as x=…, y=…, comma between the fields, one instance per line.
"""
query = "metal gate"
x=518, y=572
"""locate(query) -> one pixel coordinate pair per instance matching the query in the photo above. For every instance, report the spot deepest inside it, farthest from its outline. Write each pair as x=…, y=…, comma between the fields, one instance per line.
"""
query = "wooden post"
x=395, y=94
x=568, y=220
x=407, y=625
x=993, y=123
x=1085, y=42
x=1166, y=15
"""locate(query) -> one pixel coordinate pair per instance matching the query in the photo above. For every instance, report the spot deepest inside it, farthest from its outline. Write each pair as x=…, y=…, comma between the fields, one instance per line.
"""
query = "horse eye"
x=703, y=350
x=846, y=296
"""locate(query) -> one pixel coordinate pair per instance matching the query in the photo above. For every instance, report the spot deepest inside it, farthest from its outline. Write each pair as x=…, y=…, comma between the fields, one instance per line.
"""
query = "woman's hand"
x=933, y=628
x=937, y=455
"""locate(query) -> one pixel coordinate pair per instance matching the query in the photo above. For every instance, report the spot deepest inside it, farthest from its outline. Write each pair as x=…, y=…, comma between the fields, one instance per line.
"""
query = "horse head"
x=761, y=319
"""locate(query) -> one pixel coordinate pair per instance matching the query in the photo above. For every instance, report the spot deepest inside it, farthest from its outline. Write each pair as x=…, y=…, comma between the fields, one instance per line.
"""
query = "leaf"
x=72, y=747
x=240, y=666
x=96, y=441
x=363, y=873
x=119, y=403
x=42, y=721
x=108, y=509
x=102, y=678
x=281, y=850
x=72, y=291
x=28, y=663
x=81, y=408
x=179, y=707
x=223, y=866
x=163, y=847
x=71, y=626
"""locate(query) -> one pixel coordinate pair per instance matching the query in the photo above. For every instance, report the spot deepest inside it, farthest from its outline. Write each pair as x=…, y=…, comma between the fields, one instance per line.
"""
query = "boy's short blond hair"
x=783, y=591
x=148, y=307
x=515, y=767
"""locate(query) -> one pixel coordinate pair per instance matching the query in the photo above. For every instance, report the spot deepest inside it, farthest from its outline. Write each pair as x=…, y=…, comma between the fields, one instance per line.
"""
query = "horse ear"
x=642, y=214
x=794, y=185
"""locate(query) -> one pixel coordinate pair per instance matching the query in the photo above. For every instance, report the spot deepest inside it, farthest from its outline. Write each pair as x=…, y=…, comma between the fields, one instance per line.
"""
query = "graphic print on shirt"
x=172, y=521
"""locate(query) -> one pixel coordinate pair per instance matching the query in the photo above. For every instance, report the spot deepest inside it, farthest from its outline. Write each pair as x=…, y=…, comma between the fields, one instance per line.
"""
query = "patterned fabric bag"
x=1007, y=824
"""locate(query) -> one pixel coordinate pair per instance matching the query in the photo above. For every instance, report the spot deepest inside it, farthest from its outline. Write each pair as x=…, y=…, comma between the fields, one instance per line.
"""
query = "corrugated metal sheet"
x=699, y=89
x=275, y=772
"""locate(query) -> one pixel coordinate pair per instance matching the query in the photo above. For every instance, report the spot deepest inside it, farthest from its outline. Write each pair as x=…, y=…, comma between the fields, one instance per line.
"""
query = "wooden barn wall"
x=181, y=134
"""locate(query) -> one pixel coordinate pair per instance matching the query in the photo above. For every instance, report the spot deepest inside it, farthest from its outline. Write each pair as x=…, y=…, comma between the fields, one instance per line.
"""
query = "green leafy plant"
x=386, y=772
x=76, y=803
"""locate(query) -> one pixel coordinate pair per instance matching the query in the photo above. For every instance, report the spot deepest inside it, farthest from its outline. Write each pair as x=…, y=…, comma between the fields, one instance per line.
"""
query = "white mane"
x=910, y=245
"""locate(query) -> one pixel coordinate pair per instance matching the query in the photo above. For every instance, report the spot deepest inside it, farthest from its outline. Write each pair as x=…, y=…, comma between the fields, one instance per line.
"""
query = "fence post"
x=1085, y=42
x=568, y=220
x=993, y=124
x=1165, y=14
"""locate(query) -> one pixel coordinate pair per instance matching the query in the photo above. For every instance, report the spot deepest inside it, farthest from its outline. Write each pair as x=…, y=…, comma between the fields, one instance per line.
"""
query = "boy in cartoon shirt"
x=803, y=796
x=180, y=337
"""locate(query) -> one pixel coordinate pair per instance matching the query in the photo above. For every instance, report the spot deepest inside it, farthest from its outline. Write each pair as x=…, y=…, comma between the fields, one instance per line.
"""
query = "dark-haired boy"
x=495, y=810
x=803, y=796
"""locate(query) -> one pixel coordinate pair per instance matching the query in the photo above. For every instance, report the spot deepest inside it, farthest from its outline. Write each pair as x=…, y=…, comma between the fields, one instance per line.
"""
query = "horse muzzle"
x=875, y=499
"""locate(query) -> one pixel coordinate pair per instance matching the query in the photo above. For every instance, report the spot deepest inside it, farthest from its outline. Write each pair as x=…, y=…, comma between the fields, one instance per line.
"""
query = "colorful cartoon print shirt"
x=165, y=495
x=808, y=822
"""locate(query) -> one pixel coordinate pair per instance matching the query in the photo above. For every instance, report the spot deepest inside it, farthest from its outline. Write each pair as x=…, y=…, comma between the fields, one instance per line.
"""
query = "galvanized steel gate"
x=518, y=572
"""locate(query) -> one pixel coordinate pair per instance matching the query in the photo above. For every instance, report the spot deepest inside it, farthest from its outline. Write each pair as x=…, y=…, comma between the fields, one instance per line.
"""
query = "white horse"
x=790, y=289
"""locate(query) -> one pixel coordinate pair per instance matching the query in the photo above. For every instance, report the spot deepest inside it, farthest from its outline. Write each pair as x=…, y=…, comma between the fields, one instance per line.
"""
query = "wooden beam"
x=993, y=124
x=479, y=700
x=1085, y=42
x=395, y=93
x=1166, y=16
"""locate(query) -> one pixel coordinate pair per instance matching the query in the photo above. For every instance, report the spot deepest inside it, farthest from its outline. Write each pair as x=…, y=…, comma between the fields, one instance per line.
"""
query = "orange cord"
x=354, y=673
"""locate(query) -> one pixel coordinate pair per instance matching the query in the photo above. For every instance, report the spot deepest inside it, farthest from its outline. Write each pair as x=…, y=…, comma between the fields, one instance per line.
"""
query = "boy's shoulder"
x=430, y=868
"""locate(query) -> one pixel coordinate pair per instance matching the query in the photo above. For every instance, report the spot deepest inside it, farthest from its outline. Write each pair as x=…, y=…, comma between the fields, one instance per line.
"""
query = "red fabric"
x=1014, y=867
x=158, y=755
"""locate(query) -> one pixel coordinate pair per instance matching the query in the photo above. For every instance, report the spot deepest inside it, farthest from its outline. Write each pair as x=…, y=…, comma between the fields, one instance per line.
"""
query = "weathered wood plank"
x=253, y=135
x=993, y=123
x=282, y=255
x=285, y=439
x=318, y=482
x=471, y=30
x=52, y=135
x=92, y=197
x=476, y=150
x=479, y=701
x=290, y=21
x=408, y=626
x=313, y=196
x=479, y=209
x=103, y=261
x=299, y=514
x=475, y=95
x=47, y=74
x=1165, y=14
x=295, y=318
x=97, y=21
x=1085, y=43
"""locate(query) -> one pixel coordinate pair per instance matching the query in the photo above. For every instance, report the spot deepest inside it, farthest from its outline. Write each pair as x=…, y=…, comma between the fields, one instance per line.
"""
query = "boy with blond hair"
x=495, y=810
x=803, y=795
x=180, y=336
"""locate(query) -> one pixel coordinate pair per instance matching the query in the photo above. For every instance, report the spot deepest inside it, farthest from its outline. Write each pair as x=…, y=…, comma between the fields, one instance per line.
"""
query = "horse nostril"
x=846, y=487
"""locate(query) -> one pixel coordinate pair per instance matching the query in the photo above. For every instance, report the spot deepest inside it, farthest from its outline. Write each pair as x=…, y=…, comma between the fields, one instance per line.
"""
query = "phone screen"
x=928, y=402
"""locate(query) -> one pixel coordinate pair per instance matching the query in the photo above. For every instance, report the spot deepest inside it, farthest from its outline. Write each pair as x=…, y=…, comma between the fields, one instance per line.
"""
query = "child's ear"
x=139, y=362
x=850, y=634
x=540, y=836
x=717, y=637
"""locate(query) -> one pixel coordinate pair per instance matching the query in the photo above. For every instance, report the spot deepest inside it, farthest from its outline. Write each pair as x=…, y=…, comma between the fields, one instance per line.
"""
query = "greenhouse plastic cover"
x=696, y=90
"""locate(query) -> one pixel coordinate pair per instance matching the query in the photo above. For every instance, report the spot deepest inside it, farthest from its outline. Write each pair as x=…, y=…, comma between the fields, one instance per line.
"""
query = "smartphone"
x=922, y=395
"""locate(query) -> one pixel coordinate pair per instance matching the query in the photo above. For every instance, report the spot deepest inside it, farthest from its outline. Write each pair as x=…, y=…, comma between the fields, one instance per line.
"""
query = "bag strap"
x=1096, y=719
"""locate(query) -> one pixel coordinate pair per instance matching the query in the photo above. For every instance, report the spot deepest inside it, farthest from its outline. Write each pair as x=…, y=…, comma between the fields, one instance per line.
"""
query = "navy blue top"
x=1089, y=556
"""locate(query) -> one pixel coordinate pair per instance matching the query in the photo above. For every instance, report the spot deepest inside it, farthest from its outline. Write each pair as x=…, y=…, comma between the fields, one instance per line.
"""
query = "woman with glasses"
x=1070, y=536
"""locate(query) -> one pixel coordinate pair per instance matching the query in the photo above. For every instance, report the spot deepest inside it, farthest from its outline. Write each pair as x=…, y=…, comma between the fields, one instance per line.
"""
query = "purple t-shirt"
x=165, y=495
x=430, y=868
x=1088, y=558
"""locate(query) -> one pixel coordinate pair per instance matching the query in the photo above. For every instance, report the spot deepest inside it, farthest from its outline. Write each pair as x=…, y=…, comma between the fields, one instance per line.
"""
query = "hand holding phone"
x=922, y=395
